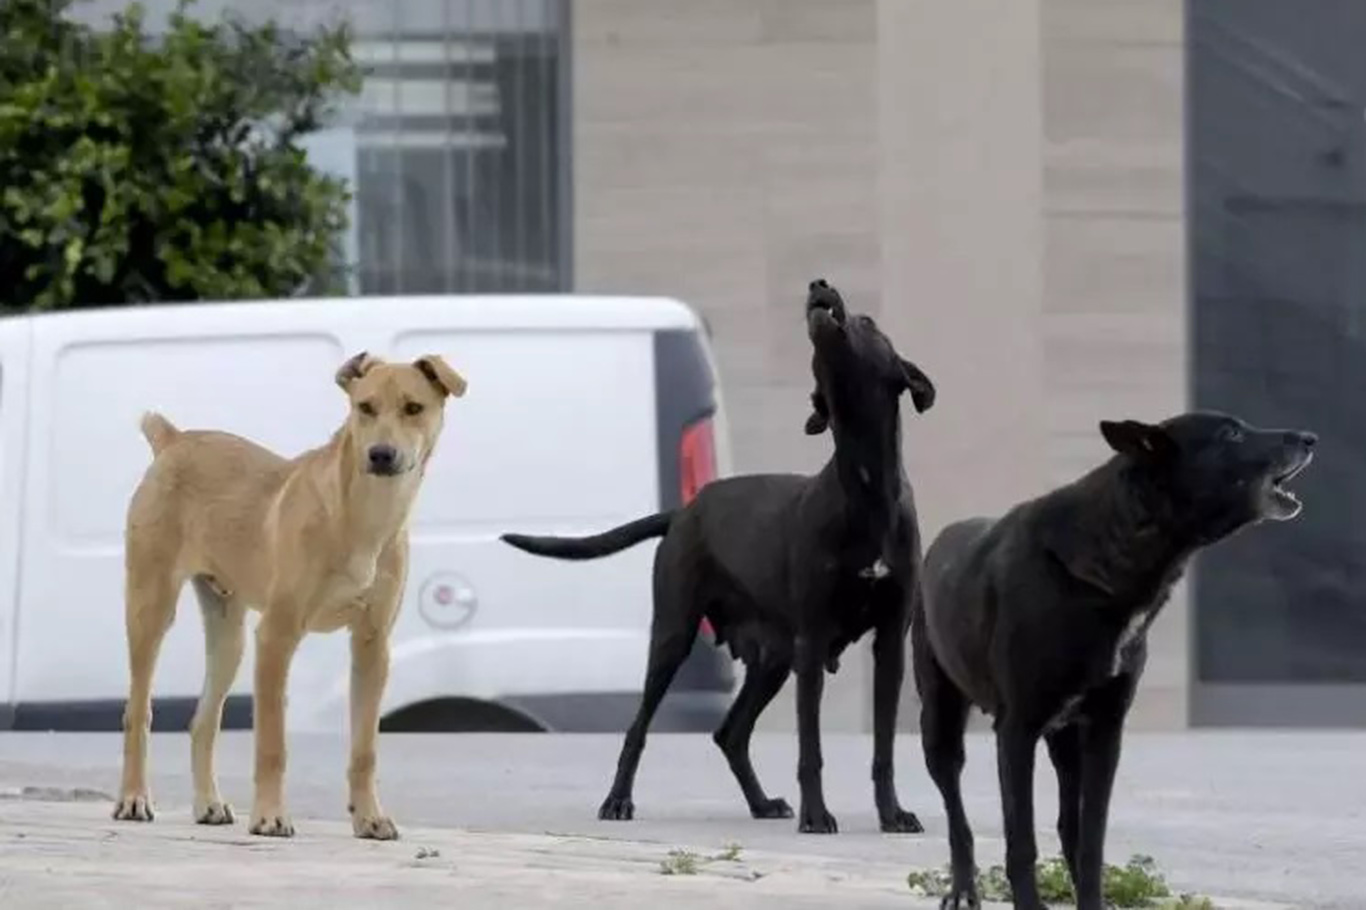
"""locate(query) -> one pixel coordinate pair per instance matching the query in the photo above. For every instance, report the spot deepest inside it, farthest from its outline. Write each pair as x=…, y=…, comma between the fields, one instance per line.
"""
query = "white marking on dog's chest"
x=1138, y=625
x=877, y=570
x=1064, y=715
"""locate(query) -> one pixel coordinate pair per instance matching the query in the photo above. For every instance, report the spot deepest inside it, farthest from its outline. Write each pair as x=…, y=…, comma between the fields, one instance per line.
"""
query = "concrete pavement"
x=1259, y=817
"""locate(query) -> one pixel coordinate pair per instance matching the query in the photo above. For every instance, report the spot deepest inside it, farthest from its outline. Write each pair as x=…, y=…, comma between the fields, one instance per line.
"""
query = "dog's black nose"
x=1308, y=439
x=383, y=459
x=820, y=284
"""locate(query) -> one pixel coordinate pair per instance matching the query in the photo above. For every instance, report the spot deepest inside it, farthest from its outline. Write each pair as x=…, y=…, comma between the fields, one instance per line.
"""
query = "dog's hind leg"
x=150, y=600
x=672, y=633
x=764, y=677
x=943, y=722
x=224, y=638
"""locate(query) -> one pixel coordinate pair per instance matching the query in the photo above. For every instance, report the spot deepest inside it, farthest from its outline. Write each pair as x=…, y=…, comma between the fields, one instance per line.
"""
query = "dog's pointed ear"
x=1137, y=439
x=440, y=374
x=819, y=421
x=918, y=384
x=355, y=368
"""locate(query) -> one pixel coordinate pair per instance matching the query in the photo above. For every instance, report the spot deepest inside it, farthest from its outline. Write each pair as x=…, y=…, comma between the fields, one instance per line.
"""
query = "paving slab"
x=1254, y=820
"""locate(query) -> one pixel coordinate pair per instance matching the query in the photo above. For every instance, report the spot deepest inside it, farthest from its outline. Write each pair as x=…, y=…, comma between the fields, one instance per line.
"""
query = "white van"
x=582, y=413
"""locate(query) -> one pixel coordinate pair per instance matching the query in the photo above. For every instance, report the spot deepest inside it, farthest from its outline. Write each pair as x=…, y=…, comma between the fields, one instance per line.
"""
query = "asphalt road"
x=1261, y=817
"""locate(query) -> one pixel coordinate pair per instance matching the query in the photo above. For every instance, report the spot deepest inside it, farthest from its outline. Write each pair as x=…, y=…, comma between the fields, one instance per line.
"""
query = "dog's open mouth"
x=1284, y=503
x=823, y=302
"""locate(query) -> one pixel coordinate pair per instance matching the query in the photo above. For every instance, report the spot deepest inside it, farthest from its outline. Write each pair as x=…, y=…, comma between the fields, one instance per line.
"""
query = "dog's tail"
x=604, y=544
x=159, y=431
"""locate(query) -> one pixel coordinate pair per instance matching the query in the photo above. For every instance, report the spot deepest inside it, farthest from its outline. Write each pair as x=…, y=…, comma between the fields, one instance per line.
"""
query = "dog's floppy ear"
x=355, y=368
x=1137, y=439
x=918, y=384
x=440, y=374
x=819, y=421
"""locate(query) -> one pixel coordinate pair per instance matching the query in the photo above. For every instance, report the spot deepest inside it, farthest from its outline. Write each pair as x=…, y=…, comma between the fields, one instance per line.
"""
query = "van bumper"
x=613, y=712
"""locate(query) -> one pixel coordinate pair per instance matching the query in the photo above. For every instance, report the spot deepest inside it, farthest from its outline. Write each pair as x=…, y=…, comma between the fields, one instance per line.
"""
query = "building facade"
x=1063, y=210
x=999, y=183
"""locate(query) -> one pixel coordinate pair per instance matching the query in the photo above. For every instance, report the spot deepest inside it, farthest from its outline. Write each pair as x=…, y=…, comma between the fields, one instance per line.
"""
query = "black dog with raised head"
x=791, y=569
x=1040, y=619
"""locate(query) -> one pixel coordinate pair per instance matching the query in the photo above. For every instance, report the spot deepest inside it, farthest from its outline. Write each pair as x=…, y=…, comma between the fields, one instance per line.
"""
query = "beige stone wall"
x=725, y=152
x=1114, y=317
x=960, y=173
x=999, y=182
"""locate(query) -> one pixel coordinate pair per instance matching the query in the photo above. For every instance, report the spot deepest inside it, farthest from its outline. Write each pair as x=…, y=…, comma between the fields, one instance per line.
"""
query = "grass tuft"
x=1137, y=885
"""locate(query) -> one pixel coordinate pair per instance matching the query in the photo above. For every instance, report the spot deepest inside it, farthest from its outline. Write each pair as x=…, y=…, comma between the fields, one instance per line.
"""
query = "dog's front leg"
x=810, y=667
x=889, y=670
x=369, y=673
x=1101, y=737
x=1015, y=748
x=277, y=638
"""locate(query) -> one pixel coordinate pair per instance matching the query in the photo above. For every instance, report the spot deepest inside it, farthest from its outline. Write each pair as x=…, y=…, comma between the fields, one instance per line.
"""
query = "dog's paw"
x=617, y=809
x=134, y=809
x=214, y=812
x=771, y=808
x=374, y=827
x=965, y=899
x=901, y=822
x=821, y=822
x=272, y=826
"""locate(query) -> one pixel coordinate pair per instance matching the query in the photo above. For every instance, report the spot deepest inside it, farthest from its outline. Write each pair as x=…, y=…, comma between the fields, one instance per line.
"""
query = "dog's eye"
x=412, y=408
x=1233, y=434
x=366, y=408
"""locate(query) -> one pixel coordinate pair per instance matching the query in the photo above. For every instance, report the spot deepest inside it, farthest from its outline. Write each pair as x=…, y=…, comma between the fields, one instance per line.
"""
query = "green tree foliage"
x=140, y=167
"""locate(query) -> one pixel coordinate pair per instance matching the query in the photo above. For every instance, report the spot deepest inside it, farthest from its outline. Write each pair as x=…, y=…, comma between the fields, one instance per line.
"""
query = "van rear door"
x=264, y=373
x=14, y=341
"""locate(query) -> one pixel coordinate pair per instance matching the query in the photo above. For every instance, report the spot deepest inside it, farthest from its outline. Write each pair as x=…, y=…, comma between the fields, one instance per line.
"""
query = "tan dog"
x=314, y=543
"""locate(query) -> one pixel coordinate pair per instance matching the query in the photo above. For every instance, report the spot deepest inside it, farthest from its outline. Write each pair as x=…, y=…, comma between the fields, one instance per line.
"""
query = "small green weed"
x=680, y=862
x=1187, y=902
x=1137, y=885
x=685, y=862
x=730, y=853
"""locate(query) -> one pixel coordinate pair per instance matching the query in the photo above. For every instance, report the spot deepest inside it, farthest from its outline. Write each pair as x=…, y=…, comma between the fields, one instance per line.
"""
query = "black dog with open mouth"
x=790, y=570
x=1040, y=619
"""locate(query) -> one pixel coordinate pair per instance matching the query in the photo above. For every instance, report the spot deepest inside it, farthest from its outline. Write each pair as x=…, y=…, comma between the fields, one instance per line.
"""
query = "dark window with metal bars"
x=462, y=159
x=458, y=149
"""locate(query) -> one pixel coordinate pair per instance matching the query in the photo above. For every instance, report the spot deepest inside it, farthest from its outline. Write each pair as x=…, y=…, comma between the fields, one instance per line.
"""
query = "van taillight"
x=696, y=469
x=696, y=458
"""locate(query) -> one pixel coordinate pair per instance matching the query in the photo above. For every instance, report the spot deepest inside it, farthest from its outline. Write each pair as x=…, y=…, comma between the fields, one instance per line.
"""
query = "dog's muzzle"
x=824, y=302
x=1279, y=503
x=384, y=461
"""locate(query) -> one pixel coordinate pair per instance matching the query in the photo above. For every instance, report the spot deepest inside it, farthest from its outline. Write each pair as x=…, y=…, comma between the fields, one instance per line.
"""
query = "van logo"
x=447, y=601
